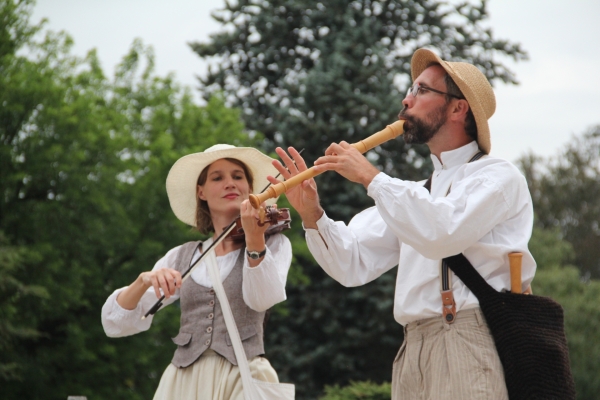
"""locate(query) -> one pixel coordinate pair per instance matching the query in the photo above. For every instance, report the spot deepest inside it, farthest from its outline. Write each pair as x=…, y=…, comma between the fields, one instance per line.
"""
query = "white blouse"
x=487, y=214
x=263, y=286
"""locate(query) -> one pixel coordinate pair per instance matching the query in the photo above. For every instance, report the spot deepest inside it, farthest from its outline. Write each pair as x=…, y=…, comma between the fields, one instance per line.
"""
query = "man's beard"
x=419, y=131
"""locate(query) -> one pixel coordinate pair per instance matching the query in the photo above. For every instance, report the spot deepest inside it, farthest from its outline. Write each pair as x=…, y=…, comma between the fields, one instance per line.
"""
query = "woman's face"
x=225, y=188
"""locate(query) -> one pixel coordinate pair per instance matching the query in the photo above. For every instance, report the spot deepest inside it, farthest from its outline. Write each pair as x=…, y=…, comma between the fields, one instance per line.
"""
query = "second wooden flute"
x=390, y=132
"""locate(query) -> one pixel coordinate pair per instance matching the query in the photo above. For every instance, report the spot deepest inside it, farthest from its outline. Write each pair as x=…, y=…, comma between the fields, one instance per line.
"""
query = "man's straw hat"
x=183, y=176
x=472, y=83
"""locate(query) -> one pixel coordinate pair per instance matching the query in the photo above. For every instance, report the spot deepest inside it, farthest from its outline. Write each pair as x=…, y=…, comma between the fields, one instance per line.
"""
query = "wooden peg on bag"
x=514, y=260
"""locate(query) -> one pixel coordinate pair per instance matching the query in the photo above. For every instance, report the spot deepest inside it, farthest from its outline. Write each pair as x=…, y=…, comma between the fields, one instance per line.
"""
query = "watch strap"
x=255, y=254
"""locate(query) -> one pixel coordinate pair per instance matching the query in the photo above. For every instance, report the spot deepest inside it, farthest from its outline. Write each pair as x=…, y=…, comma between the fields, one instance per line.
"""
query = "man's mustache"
x=407, y=118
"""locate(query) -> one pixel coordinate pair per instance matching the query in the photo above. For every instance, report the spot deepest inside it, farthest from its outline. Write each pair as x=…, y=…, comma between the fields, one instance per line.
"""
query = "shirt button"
x=211, y=303
x=209, y=329
x=211, y=291
x=211, y=316
x=207, y=342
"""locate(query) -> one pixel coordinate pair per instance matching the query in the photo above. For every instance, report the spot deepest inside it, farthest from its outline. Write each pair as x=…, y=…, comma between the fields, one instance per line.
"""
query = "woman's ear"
x=200, y=193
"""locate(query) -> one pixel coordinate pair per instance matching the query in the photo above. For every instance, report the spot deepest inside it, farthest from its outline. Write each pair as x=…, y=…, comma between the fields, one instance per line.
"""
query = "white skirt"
x=211, y=377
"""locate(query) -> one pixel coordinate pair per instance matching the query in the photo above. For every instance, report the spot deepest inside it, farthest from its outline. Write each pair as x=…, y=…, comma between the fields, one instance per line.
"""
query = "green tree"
x=566, y=196
x=560, y=280
x=83, y=161
x=308, y=73
x=12, y=293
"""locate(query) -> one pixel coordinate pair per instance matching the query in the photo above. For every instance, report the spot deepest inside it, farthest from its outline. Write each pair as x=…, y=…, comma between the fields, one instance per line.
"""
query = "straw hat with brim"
x=183, y=176
x=472, y=83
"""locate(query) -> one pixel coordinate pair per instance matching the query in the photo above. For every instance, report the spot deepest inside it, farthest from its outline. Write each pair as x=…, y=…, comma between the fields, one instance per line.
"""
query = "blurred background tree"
x=83, y=161
x=566, y=196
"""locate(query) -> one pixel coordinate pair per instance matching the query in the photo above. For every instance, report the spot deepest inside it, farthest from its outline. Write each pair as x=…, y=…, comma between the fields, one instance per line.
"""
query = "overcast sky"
x=559, y=94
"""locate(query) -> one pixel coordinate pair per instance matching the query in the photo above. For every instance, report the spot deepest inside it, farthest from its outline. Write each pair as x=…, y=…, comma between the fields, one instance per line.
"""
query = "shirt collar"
x=455, y=157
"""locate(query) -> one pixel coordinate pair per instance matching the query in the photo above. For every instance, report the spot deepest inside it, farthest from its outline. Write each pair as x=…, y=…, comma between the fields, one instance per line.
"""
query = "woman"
x=208, y=191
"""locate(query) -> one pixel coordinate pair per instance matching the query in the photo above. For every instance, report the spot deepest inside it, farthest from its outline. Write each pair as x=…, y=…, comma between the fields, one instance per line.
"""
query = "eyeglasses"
x=418, y=88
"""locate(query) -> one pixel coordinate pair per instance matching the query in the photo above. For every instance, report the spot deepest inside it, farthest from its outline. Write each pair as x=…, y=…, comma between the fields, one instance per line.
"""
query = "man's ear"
x=200, y=193
x=459, y=109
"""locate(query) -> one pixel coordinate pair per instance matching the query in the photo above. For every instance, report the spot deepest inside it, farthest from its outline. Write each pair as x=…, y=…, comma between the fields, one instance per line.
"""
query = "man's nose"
x=407, y=101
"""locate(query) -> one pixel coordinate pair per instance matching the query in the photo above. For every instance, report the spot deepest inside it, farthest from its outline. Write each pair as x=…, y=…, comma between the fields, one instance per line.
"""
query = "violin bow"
x=215, y=243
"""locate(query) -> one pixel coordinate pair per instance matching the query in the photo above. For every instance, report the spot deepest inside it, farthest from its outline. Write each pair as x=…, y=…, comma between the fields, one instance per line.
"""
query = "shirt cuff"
x=321, y=223
x=379, y=180
x=120, y=313
x=247, y=262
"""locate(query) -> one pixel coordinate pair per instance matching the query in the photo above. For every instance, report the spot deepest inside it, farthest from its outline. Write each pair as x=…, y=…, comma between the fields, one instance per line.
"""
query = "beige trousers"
x=440, y=361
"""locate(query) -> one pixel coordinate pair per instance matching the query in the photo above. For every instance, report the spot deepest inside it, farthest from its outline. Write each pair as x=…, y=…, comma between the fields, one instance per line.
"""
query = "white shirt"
x=263, y=286
x=487, y=215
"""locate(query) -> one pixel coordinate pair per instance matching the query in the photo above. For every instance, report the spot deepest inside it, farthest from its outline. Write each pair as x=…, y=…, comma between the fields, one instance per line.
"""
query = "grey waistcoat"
x=202, y=323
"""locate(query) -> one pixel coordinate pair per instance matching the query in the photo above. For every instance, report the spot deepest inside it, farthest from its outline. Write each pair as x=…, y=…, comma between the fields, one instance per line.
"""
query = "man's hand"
x=304, y=197
x=348, y=162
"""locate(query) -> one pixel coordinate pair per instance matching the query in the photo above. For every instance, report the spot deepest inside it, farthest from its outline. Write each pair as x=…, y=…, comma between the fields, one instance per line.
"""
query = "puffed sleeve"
x=357, y=253
x=119, y=322
x=264, y=285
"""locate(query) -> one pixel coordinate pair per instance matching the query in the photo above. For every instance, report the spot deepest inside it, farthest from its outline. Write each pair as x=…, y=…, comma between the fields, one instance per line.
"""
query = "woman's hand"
x=255, y=234
x=167, y=279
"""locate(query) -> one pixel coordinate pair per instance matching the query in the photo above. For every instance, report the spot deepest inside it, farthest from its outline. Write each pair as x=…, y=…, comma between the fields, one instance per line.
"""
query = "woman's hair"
x=203, y=220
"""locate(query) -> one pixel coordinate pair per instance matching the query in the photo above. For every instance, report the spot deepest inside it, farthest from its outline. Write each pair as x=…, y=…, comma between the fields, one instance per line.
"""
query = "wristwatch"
x=255, y=255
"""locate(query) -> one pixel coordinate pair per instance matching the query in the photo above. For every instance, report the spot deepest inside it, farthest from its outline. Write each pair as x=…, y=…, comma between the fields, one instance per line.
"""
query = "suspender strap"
x=448, y=303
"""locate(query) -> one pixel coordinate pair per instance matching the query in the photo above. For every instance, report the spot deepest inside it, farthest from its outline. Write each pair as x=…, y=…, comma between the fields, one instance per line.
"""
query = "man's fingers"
x=310, y=188
x=299, y=161
x=274, y=181
x=287, y=161
x=282, y=170
x=333, y=149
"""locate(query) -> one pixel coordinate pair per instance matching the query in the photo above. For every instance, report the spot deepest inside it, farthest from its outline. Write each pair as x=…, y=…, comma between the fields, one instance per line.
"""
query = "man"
x=477, y=205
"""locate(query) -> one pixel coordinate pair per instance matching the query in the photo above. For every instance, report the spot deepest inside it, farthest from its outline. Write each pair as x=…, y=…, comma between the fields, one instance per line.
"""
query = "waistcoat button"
x=211, y=291
x=209, y=329
x=207, y=342
x=211, y=316
x=211, y=303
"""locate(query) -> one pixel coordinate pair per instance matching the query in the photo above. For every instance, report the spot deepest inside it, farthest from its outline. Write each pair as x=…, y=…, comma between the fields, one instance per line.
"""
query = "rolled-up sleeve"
x=264, y=285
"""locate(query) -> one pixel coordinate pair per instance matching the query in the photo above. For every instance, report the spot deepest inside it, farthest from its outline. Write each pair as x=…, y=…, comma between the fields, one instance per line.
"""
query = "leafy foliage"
x=566, y=192
x=83, y=161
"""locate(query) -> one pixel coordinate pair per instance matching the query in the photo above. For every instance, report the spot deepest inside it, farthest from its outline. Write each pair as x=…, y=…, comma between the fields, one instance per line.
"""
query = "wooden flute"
x=391, y=131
